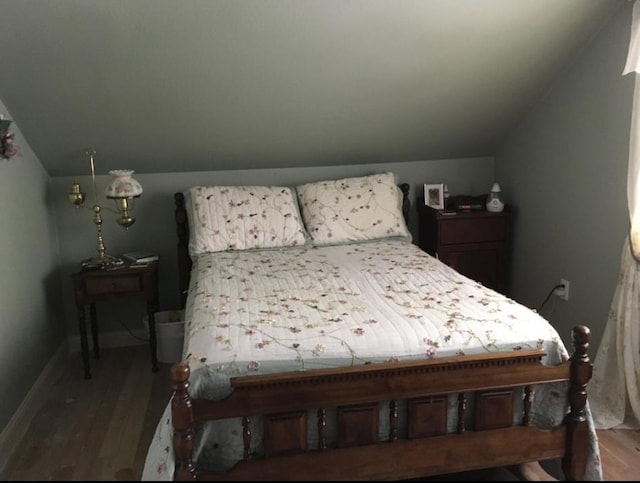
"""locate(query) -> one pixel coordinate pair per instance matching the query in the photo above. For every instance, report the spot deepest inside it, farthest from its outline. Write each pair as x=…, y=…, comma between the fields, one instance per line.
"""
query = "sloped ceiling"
x=201, y=85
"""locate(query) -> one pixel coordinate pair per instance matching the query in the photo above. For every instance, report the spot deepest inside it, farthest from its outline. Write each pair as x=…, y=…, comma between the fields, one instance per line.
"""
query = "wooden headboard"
x=182, y=226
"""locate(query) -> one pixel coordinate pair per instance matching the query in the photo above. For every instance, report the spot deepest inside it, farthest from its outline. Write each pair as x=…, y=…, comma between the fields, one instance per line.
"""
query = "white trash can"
x=169, y=335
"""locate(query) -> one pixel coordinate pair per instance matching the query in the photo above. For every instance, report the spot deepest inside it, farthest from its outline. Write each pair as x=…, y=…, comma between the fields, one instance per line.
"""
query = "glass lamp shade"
x=4, y=125
x=123, y=185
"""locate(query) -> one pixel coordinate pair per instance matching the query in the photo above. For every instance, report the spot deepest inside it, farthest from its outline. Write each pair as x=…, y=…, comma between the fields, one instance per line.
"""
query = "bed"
x=321, y=343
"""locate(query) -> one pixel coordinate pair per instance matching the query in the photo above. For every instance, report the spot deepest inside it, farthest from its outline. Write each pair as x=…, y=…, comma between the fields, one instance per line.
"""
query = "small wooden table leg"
x=151, y=313
x=94, y=330
x=84, y=345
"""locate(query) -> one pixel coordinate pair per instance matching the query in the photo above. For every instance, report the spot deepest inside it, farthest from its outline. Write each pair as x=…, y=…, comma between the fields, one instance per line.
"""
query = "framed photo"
x=434, y=196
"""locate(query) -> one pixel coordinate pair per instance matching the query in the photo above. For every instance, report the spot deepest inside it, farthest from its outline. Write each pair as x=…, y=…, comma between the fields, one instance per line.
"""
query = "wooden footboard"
x=491, y=382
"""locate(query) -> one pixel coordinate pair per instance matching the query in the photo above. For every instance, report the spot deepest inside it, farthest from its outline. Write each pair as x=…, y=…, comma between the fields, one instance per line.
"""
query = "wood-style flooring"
x=96, y=429
x=100, y=429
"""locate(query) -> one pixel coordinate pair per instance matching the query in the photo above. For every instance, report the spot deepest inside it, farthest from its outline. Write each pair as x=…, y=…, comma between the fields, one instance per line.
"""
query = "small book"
x=140, y=257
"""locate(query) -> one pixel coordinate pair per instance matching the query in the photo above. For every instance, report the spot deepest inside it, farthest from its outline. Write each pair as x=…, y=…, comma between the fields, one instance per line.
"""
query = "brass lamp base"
x=101, y=263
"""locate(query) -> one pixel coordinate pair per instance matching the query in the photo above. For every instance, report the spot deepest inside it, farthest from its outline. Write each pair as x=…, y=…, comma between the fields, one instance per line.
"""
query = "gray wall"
x=280, y=83
x=155, y=226
x=565, y=170
x=30, y=326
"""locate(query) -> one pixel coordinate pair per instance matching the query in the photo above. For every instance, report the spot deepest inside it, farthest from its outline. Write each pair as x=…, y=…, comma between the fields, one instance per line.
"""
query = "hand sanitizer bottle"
x=494, y=201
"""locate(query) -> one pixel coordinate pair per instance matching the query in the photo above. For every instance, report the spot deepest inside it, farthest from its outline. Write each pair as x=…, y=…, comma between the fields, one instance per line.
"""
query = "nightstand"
x=92, y=285
x=475, y=243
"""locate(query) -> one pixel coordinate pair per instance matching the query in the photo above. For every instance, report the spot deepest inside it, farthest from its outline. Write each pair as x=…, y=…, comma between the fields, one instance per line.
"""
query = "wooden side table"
x=92, y=285
x=475, y=243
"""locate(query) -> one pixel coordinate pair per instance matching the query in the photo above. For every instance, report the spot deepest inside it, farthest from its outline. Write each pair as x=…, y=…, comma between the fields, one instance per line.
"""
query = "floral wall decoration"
x=8, y=148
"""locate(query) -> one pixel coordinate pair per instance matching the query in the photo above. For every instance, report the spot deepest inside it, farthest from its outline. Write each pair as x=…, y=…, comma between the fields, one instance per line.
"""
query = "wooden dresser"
x=475, y=243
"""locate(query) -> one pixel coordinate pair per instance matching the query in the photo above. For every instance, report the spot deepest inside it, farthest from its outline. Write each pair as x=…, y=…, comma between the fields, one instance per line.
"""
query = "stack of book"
x=140, y=258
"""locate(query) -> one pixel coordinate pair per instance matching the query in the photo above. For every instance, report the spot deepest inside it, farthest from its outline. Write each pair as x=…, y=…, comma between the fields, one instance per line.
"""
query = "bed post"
x=406, y=204
x=182, y=418
x=575, y=460
x=184, y=260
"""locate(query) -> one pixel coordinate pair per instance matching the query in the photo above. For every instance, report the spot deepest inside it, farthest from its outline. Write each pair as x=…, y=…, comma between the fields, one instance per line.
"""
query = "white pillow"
x=243, y=217
x=352, y=209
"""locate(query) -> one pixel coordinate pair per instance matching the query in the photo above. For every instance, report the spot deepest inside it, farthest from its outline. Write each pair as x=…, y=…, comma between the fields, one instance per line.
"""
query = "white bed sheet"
x=265, y=311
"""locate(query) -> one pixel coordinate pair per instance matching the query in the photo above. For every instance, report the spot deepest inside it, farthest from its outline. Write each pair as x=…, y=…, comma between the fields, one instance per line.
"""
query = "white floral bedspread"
x=301, y=308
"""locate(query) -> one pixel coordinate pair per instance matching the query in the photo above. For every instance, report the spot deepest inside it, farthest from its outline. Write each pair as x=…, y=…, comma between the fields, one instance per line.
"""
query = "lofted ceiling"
x=202, y=85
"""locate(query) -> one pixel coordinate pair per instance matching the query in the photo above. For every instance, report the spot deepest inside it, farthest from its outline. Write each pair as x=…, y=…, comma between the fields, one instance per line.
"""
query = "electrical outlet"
x=563, y=292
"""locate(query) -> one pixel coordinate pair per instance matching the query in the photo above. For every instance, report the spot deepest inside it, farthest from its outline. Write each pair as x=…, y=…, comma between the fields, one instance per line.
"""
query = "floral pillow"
x=352, y=209
x=243, y=217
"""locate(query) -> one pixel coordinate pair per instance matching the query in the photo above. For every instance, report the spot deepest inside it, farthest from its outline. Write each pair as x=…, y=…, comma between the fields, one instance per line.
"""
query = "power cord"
x=560, y=285
x=119, y=319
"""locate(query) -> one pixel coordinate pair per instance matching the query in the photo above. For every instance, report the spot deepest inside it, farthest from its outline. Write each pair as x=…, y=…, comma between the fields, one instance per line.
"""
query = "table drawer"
x=472, y=230
x=110, y=285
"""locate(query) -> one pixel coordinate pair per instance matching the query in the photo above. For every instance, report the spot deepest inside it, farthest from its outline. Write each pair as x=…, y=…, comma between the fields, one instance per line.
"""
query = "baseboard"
x=19, y=422
x=109, y=340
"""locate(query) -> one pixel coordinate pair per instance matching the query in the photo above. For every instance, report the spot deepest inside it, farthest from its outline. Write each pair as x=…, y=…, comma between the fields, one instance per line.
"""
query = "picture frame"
x=434, y=195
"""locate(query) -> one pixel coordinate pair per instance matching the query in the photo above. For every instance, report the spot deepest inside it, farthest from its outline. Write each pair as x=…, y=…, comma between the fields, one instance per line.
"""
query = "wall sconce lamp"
x=7, y=146
x=124, y=190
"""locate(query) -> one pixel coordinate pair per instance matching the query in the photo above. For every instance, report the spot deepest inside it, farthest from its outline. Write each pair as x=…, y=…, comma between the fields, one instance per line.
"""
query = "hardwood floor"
x=99, y=429
x=620, y=454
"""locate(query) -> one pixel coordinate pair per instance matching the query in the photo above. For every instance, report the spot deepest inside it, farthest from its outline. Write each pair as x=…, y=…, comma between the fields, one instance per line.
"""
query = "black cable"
x=119, y=319
x=560, y=285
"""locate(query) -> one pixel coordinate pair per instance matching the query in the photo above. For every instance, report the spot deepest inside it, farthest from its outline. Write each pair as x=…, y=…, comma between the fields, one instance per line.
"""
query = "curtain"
x=614, y=392
x=633, y=185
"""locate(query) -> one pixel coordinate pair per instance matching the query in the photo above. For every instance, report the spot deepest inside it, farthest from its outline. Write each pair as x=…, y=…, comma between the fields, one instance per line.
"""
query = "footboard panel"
x=488, y=383
x=404, y=459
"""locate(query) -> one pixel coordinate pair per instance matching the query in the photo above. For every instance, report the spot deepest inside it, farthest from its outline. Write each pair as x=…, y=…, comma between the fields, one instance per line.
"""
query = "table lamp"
x=124, y=190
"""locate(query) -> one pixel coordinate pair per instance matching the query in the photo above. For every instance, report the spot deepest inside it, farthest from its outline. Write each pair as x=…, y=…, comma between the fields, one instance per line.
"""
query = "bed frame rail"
x=488, y=380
